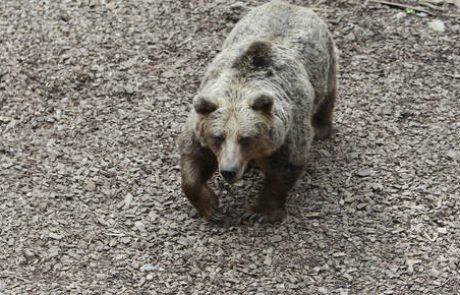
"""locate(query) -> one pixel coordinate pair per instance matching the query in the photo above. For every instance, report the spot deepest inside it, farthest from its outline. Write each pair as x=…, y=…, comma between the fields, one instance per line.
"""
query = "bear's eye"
x=245, y=141
x=218, y=139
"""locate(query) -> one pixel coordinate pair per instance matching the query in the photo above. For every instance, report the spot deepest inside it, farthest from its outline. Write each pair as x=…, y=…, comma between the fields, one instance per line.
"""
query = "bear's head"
x=237, y=131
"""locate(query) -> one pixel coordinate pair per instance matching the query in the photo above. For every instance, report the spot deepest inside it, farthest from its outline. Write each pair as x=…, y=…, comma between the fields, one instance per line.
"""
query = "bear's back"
x=296, y=30
x=278, y=22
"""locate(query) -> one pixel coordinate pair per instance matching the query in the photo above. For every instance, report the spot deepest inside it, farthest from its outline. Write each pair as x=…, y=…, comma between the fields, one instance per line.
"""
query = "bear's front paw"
x=264, y=215
x=207, y=205
x=212, y=213
x=216, y=216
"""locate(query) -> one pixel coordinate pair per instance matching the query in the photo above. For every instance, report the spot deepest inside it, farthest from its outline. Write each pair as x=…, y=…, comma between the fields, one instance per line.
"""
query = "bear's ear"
x=262, y=102
x=203, y=106
x=256, y=56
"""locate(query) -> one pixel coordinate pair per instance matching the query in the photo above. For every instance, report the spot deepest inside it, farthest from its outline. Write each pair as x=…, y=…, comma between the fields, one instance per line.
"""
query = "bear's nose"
x=228, y=174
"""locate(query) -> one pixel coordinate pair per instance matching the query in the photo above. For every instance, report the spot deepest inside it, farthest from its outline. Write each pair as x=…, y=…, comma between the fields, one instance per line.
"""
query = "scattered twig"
x=320, y=2
x=13, y=275
x=115, y=234
x=317, y=9
x=402, y=6
x=429, y=5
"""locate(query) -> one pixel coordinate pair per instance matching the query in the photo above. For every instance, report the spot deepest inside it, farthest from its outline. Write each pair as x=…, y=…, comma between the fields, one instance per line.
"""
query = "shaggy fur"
x=264, y=97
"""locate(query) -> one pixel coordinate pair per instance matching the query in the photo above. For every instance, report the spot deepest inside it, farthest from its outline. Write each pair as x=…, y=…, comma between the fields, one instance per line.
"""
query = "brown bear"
x=264, y=97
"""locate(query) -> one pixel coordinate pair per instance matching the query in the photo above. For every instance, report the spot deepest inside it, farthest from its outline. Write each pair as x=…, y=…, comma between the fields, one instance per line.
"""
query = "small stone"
x=129, y=89
x=141, y=281
x=442, y=230
x=169, y=74
x=149, y=267
x=339, y=254
x=325, y=153
x=64, y=16
x=313, y=215
x=454, y=155
x=5, y=119
x=376, y=186
x=268, y=260
x=364, y=172
x=238, y=5
x=411, y=263
x=128, y=200
x=29, y=254
x=183, y=241
x=437, y=25
x=400, y=15
x=55, y=236
x=90, y=185
x=323, y=290
x=53, y=251
x=434, y=272
x=126, y=240
x=276, y=239
x=140, y=226
x=149, y=277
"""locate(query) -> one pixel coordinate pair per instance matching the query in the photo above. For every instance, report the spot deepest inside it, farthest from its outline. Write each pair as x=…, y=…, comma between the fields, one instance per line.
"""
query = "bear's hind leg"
x=196, y=169
x=322, y=119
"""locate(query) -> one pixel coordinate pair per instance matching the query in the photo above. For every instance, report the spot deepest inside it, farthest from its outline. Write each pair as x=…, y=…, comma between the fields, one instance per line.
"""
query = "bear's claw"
x=216, y=216
x=253, y=216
